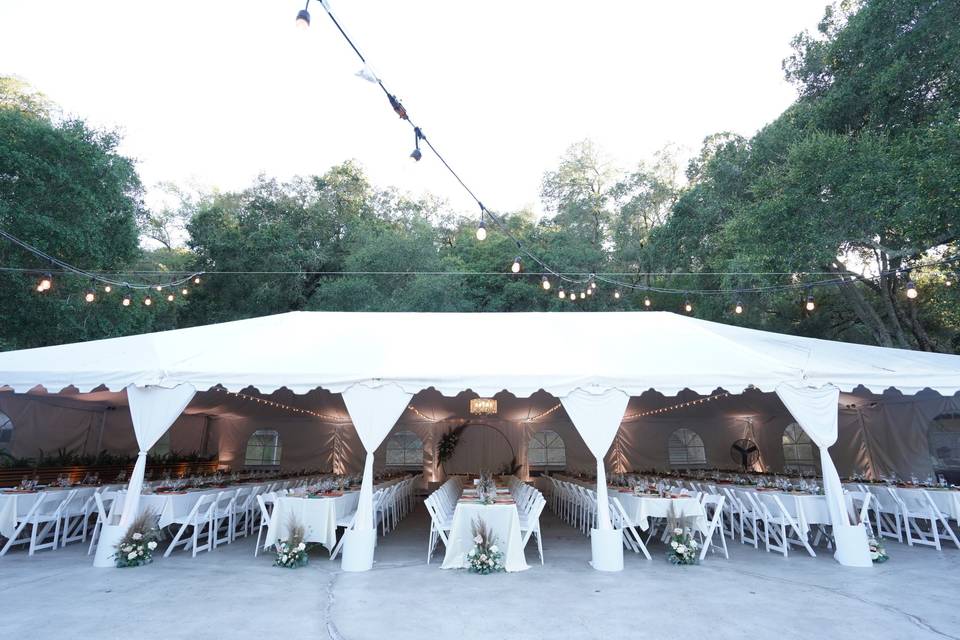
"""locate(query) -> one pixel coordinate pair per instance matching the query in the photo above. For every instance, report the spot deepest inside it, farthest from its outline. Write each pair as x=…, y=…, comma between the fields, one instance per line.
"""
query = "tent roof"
x=484, y=352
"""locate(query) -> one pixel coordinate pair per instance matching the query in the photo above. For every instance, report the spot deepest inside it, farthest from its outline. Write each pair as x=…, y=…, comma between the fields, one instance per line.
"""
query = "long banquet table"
x=502, y=518
x=317, y=515
x=15, y=504
x=640, y=508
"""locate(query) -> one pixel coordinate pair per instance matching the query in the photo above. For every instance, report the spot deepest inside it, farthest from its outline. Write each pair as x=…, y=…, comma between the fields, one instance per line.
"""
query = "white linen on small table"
x=503, y=521
x=317, y=515
x=641, y=508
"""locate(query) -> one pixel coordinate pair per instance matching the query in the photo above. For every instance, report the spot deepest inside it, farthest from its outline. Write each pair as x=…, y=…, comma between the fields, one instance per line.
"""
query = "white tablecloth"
x=173, y=506
x=317, y=515
x=947, y=500
x=640, y=508
x=504, y=522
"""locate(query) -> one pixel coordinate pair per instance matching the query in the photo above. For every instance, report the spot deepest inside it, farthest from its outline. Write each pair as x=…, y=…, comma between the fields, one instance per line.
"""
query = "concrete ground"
x=230, y=594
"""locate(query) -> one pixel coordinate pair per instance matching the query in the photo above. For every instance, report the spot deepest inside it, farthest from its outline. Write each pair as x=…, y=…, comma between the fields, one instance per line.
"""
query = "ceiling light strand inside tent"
x=546, y=413
x=290, y=408
x=682, y=405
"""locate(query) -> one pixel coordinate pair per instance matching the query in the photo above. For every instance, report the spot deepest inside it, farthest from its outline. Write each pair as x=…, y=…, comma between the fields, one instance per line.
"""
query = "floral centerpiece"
x=877, y=553
x=485, y=556
x=486, y=488
x=292, y=552
x=683, y=548
x=136, y=547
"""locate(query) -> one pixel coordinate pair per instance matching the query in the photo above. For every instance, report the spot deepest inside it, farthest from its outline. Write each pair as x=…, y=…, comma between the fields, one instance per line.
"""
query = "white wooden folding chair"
x=266, y=516
x=106, y=504
x=889, y=513
x=200, y=519
x=530, y=523
x=779, y=524
x=713, y=503
x=631, y=537
x=918, y=508
x=221, y=517
x=439, y=526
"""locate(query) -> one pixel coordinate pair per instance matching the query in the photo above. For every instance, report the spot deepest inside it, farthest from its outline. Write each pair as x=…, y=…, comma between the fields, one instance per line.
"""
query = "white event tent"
x=593, y=362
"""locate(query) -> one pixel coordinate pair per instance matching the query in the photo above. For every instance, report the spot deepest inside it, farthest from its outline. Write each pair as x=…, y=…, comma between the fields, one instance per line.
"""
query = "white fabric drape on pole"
x=597, y=419
x=153, y=410
x=816, y=410
x=374, y=411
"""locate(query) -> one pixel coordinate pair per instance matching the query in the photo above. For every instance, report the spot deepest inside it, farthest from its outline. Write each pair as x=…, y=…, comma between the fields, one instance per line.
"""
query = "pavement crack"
x=332, y=632
x=913, y=618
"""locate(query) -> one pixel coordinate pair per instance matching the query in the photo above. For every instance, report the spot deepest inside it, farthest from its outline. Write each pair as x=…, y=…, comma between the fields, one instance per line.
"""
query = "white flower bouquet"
x=485, y=556
x=136, y=548
x=877, y=553
x=683, y=548
x=292, y=552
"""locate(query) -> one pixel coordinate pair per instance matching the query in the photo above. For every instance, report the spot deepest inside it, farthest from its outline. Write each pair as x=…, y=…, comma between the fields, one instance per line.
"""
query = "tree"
x=66, y=190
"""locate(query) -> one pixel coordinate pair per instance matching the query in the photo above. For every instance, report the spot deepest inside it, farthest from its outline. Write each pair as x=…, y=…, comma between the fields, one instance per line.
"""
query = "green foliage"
x=858, y=176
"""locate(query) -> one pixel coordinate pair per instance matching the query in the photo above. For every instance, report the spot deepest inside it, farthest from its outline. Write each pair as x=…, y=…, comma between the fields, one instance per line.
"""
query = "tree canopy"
x=856, y=183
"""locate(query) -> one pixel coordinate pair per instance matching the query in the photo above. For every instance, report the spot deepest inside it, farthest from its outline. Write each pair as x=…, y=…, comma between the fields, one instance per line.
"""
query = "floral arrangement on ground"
x=485, y=557
x=136, y=547
x=683, y=548
x=292, y=552
x=877, y=553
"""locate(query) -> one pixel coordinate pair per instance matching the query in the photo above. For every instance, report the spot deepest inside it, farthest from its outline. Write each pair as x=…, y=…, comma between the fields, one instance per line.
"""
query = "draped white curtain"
x=374, y=411
x=153, y=410
x=597, y=418
x=816, y=410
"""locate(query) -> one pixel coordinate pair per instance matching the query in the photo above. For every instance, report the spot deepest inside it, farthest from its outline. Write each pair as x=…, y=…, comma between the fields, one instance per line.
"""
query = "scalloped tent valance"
x=484, y=352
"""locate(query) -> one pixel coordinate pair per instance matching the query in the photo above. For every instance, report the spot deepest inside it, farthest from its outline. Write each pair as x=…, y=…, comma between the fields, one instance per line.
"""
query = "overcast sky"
x=213, y=93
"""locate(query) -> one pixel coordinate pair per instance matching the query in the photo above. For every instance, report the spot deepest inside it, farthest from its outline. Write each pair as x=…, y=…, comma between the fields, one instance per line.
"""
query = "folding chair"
x=713, y=521
x=439, y=526
x=622, y=521
x=530, y=524
x=200, y=519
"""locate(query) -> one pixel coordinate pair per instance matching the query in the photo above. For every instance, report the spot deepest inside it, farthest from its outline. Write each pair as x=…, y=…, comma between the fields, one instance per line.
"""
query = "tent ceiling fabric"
x=484, y=352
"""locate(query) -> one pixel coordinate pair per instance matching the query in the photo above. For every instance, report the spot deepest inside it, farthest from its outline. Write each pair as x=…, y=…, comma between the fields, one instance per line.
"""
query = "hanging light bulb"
x=159, y=288
x=687, y=306
x=593, y=282
x=646, y=302
x=589, y=291
x=196, y=279
x=45, y=282
x=616, y=295
x=415, y=154
x=739, y=308
x=303, y=17
x=147, y=301
x=516, y=265
x=583, y=296
x=126, y=300
x=948, y=279
x=811, y=305
x=561, y=293
x=184, y=291
x=89, y=296
x=911, y=290
x=170, y=297
x=545, y=283
x=481, y=230
x=107, y=288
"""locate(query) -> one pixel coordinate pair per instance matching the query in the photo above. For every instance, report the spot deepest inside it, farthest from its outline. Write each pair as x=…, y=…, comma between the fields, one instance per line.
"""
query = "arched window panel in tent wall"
x=404, y=449
x=546, y=450
x=6, y=431
x=799, y=453
x=263, y=449
x=685, y=449
x=943, y=436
